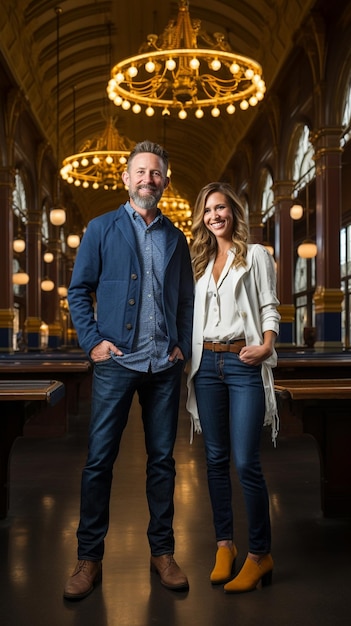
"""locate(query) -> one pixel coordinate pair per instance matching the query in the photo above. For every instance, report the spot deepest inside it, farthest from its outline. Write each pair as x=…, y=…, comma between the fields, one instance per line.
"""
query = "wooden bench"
x=324, y=408
x=17, y=397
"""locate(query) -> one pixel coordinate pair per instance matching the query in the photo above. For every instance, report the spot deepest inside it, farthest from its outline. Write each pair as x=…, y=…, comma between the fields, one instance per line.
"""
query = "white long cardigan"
x=255, y=296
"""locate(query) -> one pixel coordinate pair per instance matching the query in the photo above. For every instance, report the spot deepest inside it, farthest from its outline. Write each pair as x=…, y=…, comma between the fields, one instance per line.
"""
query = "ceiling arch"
x=96, y=33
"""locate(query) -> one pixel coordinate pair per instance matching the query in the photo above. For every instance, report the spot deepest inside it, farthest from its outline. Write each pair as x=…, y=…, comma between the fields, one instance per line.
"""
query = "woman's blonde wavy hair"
x=204, y=244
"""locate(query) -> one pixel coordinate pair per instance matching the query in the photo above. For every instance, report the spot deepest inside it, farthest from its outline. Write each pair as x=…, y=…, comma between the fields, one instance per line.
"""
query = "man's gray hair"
x=151, y=147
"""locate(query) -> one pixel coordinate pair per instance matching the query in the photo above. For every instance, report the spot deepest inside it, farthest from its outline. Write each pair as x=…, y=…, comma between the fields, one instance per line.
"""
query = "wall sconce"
x=73, y=241
x=62, y=291
x=18, y=244
x=57, y=216
x=296, y=212
x=48, y=257
x=20, y=278
x=307, y=249
x=268, y=247
x=47, y=284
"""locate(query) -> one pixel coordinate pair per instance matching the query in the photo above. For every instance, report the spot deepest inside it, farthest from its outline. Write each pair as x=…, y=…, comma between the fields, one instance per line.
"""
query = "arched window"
x=303, y=171
x=20, y=219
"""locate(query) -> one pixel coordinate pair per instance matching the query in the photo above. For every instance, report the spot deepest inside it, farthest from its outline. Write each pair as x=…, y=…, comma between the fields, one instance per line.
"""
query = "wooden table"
x=16, y=399
x=71, y=370
x=324, y=407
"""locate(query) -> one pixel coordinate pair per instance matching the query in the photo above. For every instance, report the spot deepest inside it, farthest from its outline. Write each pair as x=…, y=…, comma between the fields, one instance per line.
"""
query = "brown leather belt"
x=225, y=346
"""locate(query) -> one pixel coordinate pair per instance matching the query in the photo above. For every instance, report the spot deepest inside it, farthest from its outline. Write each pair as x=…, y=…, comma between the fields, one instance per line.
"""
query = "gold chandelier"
x=100, y=161
x=177, y=209
x=186, y=68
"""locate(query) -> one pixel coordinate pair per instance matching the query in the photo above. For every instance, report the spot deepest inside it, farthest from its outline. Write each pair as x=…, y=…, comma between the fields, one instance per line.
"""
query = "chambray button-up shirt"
x=150, y=344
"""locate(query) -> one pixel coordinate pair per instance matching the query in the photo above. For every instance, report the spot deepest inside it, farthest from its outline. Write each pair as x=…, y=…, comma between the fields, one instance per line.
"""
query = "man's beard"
x=146, y=202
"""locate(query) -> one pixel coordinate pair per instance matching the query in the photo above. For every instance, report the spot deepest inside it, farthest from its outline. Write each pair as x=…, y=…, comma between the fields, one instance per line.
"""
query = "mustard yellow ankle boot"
x=250, y=574
x=225, y=558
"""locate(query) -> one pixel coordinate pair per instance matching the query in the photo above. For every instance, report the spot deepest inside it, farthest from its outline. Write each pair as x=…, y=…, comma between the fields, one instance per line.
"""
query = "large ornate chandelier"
x=100, y=161
x=177, y=209
x=186, y=68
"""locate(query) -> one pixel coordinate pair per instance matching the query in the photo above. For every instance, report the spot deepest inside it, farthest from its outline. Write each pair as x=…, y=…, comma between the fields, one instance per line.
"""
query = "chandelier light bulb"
x=117, y=100
x=84, y=162
x=199, y=114
x=171, y=64
x=244, y=105
x=215, y=65
x=126, y=105
x=75, y=163
x=96, y=160
x=182, y=114
x=149, y=111
x=215, y=112
x=194, y=63
x=112, y=83
x=249, y=74
x=132, y=71
x=136, y=108
x=253, y=101
x=230, y=109
x=150, y=67
x=85, y=184
x=234, y=68
x=109, y=159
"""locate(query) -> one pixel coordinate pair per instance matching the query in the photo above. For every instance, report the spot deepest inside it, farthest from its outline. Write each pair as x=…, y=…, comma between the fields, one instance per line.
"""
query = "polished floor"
x=312, y=576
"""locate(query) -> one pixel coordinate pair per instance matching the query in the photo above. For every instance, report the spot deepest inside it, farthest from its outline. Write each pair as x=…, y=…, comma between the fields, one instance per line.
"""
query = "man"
x=139, y=336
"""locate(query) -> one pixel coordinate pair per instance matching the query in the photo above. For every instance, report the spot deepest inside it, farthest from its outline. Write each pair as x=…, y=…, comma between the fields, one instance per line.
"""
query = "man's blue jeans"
x=113, y=390
x=231, y=404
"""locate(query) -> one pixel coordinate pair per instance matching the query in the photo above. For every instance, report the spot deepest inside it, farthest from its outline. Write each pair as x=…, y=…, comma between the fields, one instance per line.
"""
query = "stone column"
x=328, y=295
x=7, y=314
x=284, y=257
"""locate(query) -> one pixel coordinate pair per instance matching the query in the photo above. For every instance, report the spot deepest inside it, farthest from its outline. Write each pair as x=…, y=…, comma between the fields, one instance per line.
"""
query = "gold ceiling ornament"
x=186, y=68
x=100, y=161
x=177, y=209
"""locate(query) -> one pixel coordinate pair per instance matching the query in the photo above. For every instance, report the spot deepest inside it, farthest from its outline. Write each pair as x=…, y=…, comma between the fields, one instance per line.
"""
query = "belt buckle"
x=214, y=343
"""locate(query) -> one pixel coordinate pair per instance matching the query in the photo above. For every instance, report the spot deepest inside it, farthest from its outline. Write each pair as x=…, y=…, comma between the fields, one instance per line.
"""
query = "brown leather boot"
x=86, y=575
x=169, y=572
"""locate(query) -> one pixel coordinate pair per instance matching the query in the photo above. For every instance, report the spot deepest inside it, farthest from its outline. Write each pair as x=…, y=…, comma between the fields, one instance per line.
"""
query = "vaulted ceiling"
x=94, y=34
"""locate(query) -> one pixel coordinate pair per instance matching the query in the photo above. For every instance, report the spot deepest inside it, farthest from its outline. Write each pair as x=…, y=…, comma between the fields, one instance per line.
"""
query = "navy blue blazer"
x=104, y=292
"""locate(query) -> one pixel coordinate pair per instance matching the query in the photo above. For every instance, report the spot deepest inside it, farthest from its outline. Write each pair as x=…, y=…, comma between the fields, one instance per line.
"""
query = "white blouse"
x=222, y=319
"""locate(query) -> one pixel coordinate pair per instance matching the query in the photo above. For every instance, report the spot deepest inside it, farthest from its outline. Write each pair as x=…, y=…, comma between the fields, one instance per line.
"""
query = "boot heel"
x=266, y=579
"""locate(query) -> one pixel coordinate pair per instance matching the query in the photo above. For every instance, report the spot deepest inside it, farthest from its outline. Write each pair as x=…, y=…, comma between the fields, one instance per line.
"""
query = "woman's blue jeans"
x=113, y=390
x=231, y=404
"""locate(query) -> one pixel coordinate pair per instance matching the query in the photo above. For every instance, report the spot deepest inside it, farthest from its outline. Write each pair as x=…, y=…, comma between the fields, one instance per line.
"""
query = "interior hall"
x=252, y=93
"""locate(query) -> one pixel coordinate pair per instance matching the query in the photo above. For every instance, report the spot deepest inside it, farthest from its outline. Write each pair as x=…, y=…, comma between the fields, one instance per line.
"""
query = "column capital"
x=328, y=300
x=283, y=190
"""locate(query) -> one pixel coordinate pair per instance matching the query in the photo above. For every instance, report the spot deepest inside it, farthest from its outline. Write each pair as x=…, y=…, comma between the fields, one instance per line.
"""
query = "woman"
x=230, y=382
